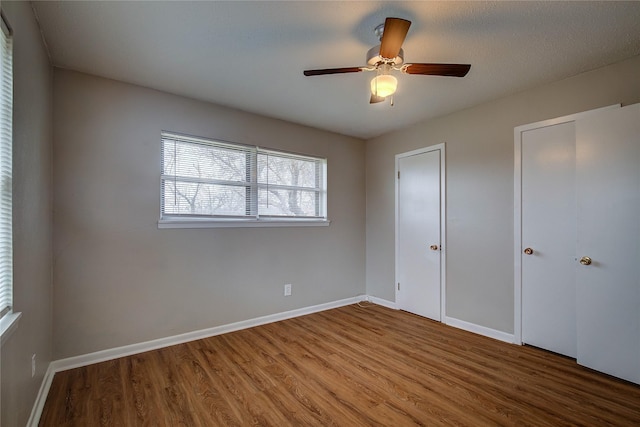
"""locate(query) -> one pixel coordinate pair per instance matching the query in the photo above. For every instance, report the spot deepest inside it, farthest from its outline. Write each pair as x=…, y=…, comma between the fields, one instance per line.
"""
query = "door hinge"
x=398, y=174
x=398, y=285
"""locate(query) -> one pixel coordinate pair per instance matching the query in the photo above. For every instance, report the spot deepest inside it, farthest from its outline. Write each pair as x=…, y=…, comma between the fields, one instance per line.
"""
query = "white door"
x=549, y=238
x=418, y=255
x=608, y=194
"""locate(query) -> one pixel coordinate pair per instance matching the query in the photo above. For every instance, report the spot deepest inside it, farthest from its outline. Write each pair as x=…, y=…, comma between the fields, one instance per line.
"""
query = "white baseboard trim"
x=41, y=398
x=480, y=330
x=382, y=302
x=128, y=350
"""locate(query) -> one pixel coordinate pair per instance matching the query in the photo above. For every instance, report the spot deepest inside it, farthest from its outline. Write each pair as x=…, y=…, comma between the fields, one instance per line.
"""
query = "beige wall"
x=32, y=133
x=120, y=280
x=479, y=155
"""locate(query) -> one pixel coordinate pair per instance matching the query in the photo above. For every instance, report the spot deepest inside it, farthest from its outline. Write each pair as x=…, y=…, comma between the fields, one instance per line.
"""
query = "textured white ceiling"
x=250, y=55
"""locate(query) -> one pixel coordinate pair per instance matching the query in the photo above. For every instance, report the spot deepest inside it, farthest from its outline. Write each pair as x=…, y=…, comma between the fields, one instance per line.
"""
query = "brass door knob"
x=433, y=247
x=585, y=260
x=528, y=251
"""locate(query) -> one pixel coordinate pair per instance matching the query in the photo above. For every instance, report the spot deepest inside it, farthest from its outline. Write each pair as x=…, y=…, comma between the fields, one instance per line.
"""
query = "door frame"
x=443, y=240
x=517, y=207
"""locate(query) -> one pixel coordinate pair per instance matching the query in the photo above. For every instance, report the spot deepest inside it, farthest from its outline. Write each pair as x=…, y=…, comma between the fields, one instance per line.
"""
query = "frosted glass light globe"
x=384, y=85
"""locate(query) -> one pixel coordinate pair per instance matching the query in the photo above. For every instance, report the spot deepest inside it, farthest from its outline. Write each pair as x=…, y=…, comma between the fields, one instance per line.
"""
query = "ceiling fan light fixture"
x=388, y=57
x=384, y=85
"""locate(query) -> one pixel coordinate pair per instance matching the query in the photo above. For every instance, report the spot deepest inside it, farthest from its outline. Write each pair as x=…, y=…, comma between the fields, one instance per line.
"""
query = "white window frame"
x=252, y=218
x=8, y=318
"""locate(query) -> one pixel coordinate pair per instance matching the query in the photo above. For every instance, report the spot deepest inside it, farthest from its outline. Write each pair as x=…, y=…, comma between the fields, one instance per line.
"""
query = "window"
x=207, y=182
x=6, y=142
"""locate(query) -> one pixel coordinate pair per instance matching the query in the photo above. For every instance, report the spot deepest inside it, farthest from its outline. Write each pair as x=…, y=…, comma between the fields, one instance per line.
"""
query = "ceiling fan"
x=388, y=56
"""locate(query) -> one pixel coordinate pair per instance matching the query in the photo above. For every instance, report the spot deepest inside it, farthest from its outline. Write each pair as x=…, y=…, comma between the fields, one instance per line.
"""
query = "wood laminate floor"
x=349, y=366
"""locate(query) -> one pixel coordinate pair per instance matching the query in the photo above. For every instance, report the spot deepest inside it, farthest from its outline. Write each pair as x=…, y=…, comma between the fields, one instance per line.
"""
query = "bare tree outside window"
x=208, y=179
x=277, y=173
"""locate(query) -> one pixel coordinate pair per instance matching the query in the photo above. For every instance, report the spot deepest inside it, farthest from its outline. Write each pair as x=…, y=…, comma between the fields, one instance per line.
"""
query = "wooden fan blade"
x=375, y=99
x=332, y=71
x=395, y=31
x=452, y=70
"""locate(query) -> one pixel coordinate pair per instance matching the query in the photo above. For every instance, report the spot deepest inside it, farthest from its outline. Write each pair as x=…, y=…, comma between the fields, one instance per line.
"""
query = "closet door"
x=549, y=238
x=608, y=245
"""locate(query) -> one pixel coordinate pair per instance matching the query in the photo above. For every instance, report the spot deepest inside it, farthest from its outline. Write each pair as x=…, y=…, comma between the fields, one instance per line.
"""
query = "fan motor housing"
x=374, y=58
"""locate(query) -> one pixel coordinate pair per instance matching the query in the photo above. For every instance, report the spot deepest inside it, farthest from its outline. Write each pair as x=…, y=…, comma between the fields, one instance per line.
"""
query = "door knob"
x=433, y=247
x=585, y=260
x=528, y=251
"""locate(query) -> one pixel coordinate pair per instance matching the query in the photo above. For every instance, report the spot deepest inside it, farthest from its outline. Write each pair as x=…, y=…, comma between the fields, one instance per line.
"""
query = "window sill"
x=8, y=325
x=240, y=223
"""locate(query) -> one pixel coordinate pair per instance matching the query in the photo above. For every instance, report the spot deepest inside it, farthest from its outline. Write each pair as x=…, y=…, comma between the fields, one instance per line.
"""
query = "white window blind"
x=205, y=179
x=290, y=185
x=6, y=142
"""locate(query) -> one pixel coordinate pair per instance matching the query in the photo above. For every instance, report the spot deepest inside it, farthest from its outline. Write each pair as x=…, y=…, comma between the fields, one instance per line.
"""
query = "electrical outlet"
x=33, y=365
x=287, y=290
